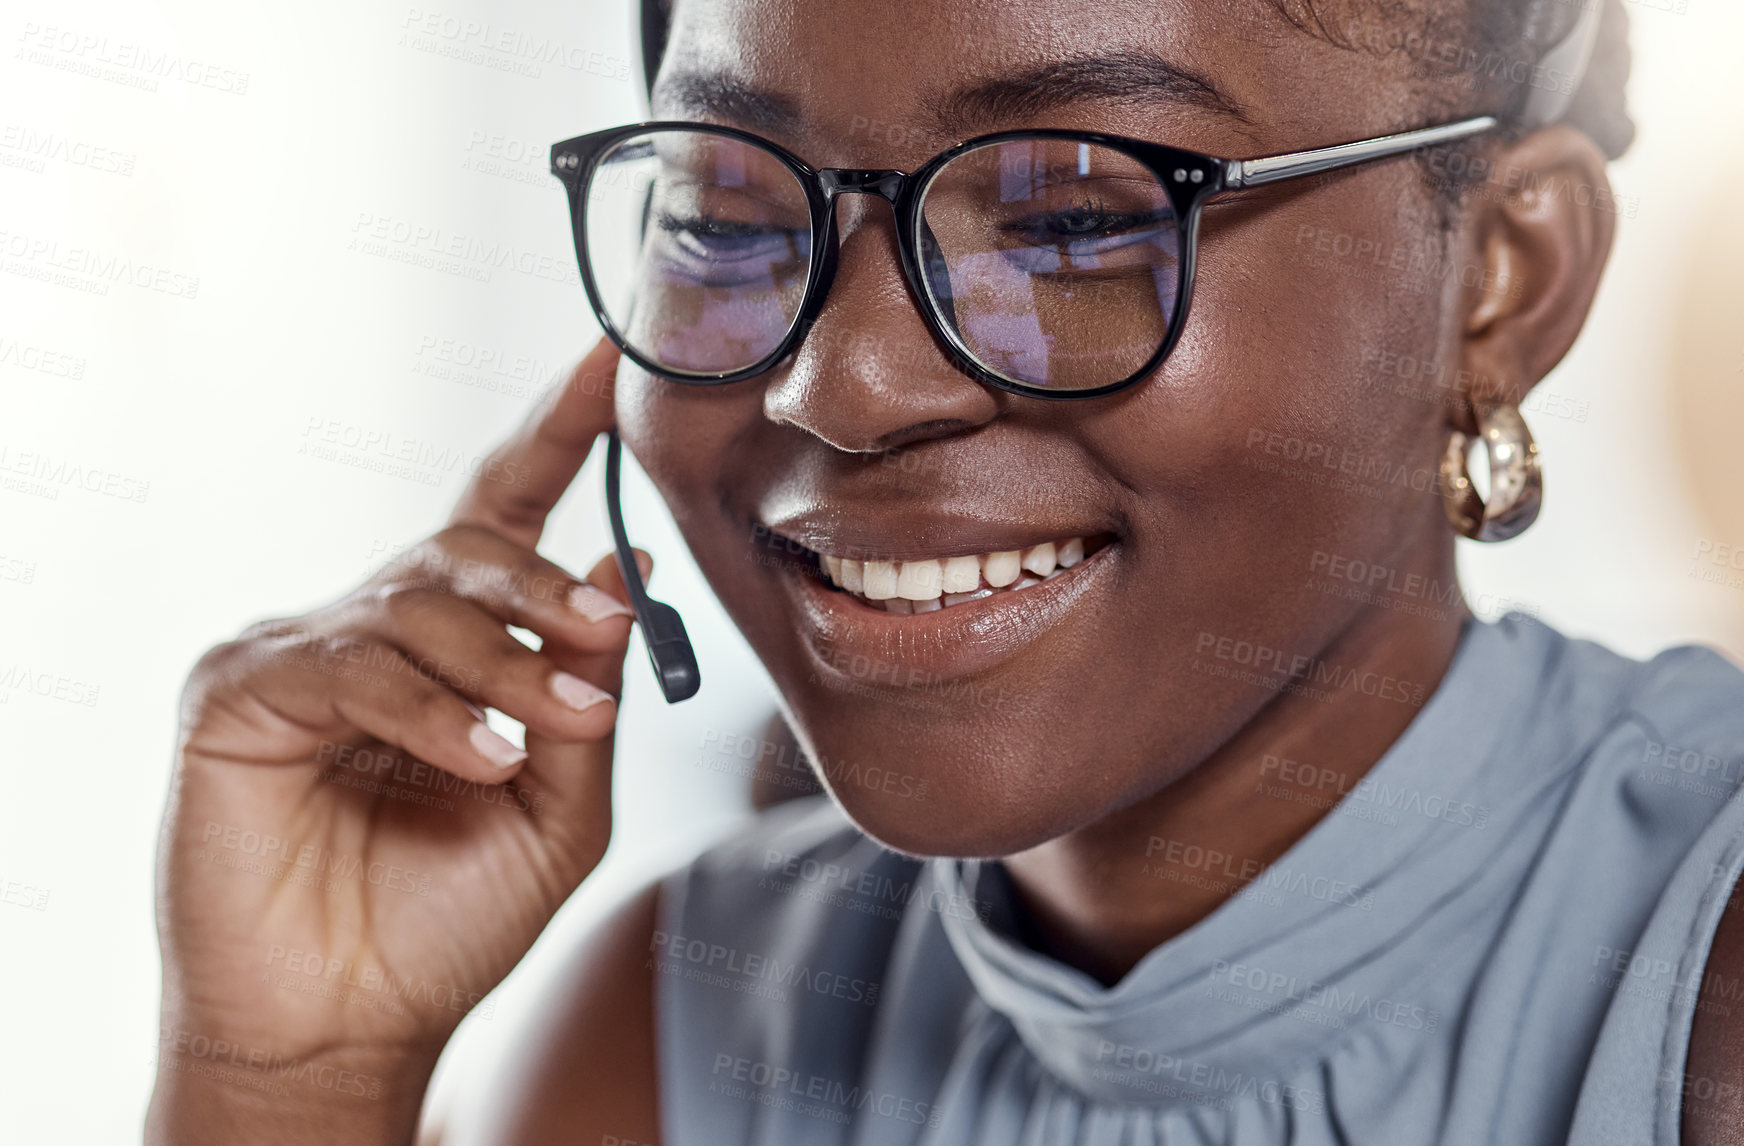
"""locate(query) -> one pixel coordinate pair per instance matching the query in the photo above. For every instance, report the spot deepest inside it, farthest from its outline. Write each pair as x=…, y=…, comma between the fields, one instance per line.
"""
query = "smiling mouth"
x=932, y=584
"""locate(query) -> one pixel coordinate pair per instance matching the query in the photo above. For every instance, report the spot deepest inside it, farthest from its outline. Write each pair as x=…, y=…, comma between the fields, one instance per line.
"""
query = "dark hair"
x=1479, y=57
x=1492, y=29
x=1601, y=104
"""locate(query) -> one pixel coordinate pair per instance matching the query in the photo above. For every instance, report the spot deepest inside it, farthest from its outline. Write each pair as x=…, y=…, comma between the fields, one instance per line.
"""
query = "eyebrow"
x=1003, y=101
x=724, y=96
x=1132, y=76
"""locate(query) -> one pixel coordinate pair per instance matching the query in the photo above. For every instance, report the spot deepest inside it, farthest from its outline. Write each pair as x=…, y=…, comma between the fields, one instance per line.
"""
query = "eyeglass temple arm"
x=1239, y=173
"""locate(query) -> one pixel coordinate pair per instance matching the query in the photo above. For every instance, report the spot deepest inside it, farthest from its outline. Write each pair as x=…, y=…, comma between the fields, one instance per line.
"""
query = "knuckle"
x=409, y=604
x=470, y=536
x=425, y=707
x=215, y=668
x=270, y=629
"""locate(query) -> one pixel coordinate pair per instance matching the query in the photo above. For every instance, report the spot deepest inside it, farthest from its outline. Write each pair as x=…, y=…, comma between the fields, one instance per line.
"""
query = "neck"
x=1101, y=897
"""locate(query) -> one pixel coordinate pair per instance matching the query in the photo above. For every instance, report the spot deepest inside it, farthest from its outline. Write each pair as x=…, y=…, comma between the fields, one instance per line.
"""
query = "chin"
x=951, y=783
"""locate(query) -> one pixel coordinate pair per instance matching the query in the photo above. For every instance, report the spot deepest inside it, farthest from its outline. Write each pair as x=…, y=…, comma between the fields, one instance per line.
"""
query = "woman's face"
x=1220, y=496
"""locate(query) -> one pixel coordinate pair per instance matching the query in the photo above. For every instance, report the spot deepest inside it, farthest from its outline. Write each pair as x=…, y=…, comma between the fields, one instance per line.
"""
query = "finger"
x=519, y=484
x=336, y=683
x=512, y=583
x=464, y=648
x=603, y=667
x=576, y=778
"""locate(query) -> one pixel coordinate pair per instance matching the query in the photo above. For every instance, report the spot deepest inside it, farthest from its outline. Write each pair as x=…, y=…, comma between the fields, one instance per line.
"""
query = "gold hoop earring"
x=1516, y=478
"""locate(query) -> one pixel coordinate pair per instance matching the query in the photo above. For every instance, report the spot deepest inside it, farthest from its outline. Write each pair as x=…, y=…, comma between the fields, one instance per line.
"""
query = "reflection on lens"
x=699, y=246
x=1055, y=263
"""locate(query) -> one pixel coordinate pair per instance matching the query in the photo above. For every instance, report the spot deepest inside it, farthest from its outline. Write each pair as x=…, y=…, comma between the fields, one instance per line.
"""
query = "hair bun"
x=1601, y=104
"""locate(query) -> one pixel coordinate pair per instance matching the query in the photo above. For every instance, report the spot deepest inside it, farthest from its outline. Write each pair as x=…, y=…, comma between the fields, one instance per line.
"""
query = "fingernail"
x=595, y=605
x=494, y=748
x=577, y=693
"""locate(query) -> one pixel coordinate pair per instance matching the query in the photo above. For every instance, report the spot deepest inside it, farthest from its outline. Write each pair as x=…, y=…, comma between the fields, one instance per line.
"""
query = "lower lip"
x=861, y=647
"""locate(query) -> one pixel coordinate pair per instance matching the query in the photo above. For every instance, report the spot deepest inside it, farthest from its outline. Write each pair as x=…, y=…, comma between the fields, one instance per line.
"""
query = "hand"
x=351, y=859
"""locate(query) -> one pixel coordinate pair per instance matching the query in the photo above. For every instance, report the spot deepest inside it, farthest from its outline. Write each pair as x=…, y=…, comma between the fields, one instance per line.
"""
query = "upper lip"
x=976, y=497
x=892, y=533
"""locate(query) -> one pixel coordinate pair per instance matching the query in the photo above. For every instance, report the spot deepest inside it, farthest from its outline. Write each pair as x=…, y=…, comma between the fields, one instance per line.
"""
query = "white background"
x=198, y=412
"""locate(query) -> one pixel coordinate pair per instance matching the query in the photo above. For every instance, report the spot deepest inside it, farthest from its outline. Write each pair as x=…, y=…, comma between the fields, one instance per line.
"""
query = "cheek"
x=1283, y=344
x=668, y=427
x=634, y=402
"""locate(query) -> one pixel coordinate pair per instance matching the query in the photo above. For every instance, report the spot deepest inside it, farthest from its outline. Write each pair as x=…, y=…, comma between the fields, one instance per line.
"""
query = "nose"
x=869, y=376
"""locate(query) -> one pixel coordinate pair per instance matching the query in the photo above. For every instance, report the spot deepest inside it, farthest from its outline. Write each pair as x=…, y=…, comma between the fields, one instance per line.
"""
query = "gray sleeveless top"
x=1496, y=938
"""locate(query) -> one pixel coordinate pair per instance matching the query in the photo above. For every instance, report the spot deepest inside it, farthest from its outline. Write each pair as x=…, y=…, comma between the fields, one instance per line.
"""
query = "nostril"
x=921, y=431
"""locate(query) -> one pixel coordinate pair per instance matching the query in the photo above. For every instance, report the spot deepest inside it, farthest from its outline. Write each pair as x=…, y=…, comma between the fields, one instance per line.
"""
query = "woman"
x=1278, y=843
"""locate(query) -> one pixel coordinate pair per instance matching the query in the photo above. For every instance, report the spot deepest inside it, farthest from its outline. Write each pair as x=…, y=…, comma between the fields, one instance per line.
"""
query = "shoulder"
x=1712, y=1094
x=1669, y=750
x=1669, y=727
x=807, y=839
x=583, y=1067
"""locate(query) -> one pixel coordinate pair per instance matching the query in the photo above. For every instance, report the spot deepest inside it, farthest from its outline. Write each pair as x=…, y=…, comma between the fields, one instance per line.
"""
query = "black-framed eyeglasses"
x=1054, y=264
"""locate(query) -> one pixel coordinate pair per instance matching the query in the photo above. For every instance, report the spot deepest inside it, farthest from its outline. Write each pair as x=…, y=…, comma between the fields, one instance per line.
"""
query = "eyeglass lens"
x=1053, y=263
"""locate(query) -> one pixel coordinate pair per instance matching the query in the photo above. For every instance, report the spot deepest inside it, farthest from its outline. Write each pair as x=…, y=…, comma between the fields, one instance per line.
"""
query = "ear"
x=1541, y=228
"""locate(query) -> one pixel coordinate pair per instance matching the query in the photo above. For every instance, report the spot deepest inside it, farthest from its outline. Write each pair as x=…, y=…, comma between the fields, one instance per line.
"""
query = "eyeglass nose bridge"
x=835, y=181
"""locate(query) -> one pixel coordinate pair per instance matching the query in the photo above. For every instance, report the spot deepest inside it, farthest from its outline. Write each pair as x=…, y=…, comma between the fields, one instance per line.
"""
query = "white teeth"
x=963, y=575
x=1039, y=559
x=907, y=587
x=880, y=580
x=919, y=580
x=1001, y=569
